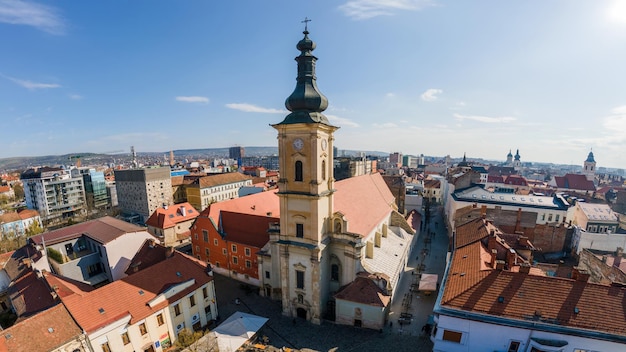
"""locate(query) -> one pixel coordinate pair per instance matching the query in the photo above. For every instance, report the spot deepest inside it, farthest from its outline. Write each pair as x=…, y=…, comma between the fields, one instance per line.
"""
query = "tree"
x=187, y=338
x=19, y=191
x=34, y=229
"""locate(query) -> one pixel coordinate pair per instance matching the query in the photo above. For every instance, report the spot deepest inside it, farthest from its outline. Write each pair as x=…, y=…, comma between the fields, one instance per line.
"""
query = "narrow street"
x=428, y=256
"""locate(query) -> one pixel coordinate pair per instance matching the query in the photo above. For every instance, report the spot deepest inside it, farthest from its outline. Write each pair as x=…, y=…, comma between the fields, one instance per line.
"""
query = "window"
x=334, y=272
x=549, y=217
x=248, y=264
x=197, y=249
x=105, y=347
x=205, y=292
x=206, y=251
x=160, y=320
x=556, y=218
x=300, y=279
x=247, y=252
x=234, y=248
x=224, y=251
x=298, y=171
x=267, y=274
x=205, y=235
x=142, y=329
x=125, y=338
x=217, y=264
x=195, y=235
x=215, y=241
x=300, y=230
x=192, y=301
x=453, y=336
x=235, y=260
x=513, y=346
x=177, y=309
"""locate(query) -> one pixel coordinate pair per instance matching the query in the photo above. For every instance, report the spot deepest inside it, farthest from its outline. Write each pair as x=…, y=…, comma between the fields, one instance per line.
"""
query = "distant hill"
x=22, y=163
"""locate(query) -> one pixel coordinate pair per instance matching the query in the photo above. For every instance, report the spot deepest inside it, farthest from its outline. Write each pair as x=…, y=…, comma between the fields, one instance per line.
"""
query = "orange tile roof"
x=365, y=291
x=222, y=179
x=247, y=229
x=27, y=213
x=30, y=295
x=472, y=285
x=165, y=218
x=45, y=331
x=4, y=189
x=137, y=290
x=9, y=217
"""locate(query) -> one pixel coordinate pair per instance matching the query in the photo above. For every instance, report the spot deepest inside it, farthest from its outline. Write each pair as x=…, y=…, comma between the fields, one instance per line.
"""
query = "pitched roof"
x=164, y=218
x=9, y=217
x=472, y=231
x=15, y=265
x=149, y=254
x=247, y=229
x=472, y=285
x=103, y=230
x=222, y=179
x=30, y=295
x=4, y=189
x=515, y=180
x=365, y=291
x=575, y=182
x=95, y=309
x=42, y=332
x=27, y=213
x=598, y=212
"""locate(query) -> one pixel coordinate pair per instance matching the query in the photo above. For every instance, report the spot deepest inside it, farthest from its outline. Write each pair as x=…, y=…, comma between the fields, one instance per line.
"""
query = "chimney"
x=524, y=268
x=511, y=258
x=169, y=252
x=377, y=239
x=619, y=252
x=483, y=211
x=518, y=222
x=492, y=240
x=580, y=274
x=494, y=257
x=385, y=230
x=500, y=265
x=183, y=211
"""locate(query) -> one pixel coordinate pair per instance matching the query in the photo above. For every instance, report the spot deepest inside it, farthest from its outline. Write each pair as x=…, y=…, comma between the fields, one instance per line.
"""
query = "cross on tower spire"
x=306, y=23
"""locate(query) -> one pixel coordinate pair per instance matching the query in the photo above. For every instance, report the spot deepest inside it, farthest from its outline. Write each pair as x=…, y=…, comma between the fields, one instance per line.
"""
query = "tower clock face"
x=324, y=144
x=298, y=144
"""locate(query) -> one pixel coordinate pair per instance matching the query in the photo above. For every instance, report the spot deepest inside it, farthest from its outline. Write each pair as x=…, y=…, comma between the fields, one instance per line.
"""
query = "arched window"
x=299, y=170
x=323, y=169
x=334, y=272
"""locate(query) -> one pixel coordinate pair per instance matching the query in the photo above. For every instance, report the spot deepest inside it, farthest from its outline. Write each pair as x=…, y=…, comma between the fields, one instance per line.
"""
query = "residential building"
x=53, y=193
x=577, y=183
x=151, y=314
x=215, y=188
x=16, y=223
x=346, y=167
x=171, y=224
x=494, y=300
x=92, y=252
x=395, y=159
x=268, y=162
x=141, y=191
x=553, y=209
x=51, y=330
x=596, y=218
x=7, y=191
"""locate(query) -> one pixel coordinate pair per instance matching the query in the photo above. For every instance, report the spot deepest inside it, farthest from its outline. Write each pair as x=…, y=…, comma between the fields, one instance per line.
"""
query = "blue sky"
x=420, y=77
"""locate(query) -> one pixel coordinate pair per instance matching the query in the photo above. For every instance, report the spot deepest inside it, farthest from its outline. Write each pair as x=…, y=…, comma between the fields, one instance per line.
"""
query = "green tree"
x=56, y=255
x=34, y=229
x=19, y=191
x=187, y=338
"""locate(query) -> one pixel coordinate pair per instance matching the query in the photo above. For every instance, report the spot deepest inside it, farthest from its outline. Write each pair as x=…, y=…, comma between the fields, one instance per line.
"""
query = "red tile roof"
x=10, y=217
x=222, y=179
x=103, y=230
x=29, y=295
x=575, y=182
x=515, y=180
x=163, y=218
x=247, y=229
x=45, y=331
x=472, y=231
x=96, y=309
x=149, y=254
x=364, y=291
x=27, y=213
x=472, y=285
x=4, y=189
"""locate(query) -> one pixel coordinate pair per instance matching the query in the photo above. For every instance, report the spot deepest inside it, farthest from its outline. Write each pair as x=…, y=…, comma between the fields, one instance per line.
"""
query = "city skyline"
x=412, y=76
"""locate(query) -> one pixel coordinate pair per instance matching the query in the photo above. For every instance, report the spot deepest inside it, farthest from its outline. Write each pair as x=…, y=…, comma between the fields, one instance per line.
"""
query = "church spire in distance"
x=306, y=103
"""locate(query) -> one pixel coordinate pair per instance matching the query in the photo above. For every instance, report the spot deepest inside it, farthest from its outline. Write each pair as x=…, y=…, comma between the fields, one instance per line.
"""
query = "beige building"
x=595, y=218
x=170, y=224
x=215, y=188
x=141, y=191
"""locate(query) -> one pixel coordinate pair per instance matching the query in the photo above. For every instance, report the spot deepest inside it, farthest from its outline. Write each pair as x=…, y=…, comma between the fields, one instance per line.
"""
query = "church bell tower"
x=305, y=188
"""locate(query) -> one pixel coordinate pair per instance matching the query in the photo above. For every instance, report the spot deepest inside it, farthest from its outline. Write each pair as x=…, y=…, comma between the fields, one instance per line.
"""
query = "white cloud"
x=75, y=96
x=431, y=94
x=253, y=108
x=193, y=99
x=385, y=125
x=42, y=17
x=365, y=9
x=485, y=119
x=390, y=95
x=620, y=110
x=341, y=121
x=33, y=85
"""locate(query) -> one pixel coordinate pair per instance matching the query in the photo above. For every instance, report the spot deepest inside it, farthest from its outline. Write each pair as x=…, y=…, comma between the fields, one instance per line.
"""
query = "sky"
x=430, y=77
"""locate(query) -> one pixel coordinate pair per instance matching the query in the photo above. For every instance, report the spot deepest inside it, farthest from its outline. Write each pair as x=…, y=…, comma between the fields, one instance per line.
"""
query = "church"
x=338, y=249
